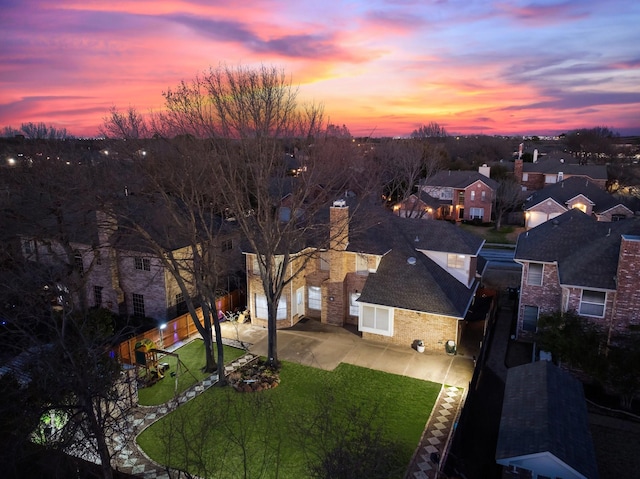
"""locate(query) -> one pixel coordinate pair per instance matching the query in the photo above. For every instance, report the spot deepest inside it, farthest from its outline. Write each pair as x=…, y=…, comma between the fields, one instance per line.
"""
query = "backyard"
x=187, y=374
x=505, y=235
x=312, y=416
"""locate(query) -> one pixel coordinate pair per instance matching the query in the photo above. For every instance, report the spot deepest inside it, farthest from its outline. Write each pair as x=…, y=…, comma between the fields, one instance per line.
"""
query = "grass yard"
x=505, y=235
x=275, y=433
x=192, y=355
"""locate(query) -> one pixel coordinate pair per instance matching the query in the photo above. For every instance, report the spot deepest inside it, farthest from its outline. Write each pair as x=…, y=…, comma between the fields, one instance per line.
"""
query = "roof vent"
x=411, y=260
x=555, y=223
x=417, y=239
x=339, y=203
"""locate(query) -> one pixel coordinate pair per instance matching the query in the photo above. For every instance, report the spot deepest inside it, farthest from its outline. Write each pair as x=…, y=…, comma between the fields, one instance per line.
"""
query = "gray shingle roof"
x=554, y=166
x=568, y=189
x=585, y=250
x=423, y=286
x=544, y=410
x=458, y=179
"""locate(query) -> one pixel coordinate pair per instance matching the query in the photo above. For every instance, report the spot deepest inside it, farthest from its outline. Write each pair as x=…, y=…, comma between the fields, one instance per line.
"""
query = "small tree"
x=509, y=196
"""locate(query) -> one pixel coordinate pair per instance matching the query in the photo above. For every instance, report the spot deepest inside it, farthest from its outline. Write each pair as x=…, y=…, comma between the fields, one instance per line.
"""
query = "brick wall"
x=616, y=210
x=548, y=296
x=627, y=301
x=478, y=187
x=409, y=326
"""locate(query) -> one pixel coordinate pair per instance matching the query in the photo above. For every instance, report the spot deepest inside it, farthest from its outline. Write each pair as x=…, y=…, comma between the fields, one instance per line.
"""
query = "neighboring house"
x=118, y=270
x=574, y=192
x=464, y=195
x=419, y=205
x=397, y=279
x=574, y=262
x=536, y=175
x=544, y=428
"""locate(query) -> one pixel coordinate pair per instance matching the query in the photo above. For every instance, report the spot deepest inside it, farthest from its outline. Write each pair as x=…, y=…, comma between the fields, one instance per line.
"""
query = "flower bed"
x=256, y=376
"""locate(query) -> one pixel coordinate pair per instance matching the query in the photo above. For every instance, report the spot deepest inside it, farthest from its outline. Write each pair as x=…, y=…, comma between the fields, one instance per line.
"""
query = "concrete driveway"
x=324, y=346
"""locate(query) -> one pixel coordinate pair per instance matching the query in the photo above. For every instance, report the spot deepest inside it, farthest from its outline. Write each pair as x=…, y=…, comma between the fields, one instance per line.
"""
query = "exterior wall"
x=414, y=208
x=616, y=210
x=542, y=212
x=571, y=302
x=409, y=326
x=548, y=296
x=151, y=284
x=465, y=275
x=478, y=187
x=582, y=203
x=627, y=301
x=532, y=181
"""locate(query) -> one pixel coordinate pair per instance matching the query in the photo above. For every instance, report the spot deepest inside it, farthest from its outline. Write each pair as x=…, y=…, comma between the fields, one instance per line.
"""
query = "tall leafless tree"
x=249, y=118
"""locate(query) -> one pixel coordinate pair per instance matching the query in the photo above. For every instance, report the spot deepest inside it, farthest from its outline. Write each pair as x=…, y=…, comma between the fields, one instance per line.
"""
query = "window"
x=324, y=260
x=138, y=305
x=476, y=213
x=560, y=176
x=227, y=245
x=446, y=194
x=143, y=264
x=473, y=195
x=97, y=296
x=255, y=267
x=525, y=176
x=262, y=310
x=592, y=303
x=618, y=217
x=354, y=306
x=455, y=261
x=77, y=261
x=483, y=196
x=549, y=179
x=181, y=305
x=376, y=319
x=298, y=305
x=530, y=319
x=534, y=275
x=315, y=298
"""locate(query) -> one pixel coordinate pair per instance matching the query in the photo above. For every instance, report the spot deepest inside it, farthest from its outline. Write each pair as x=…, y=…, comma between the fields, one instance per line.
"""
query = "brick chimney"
x=627, y=302
x=339, y=225
x=334, y=294
x=517, y=170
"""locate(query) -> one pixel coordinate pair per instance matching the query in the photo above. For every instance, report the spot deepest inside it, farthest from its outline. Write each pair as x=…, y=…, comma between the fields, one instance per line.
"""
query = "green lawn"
x=222, y=433
x=505, y=235
x=192, y=355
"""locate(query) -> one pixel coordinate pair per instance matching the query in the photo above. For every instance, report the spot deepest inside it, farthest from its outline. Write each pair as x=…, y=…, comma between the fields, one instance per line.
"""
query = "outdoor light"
x=163, y=326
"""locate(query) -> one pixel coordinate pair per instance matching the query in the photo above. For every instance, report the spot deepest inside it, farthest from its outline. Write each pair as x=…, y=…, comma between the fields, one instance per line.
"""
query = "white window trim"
x=374, y=330
x=314, y=297
x=529, y=282
x=603, y=304
x=262, y=310
x=456, y=261
x=354, y=306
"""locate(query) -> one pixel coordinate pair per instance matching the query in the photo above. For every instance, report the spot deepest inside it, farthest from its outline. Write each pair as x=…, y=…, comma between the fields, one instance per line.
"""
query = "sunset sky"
x=379, y=67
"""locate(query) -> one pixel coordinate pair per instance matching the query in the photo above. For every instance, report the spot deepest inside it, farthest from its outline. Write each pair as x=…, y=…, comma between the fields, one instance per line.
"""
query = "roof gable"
x=544, y=410
x=458, y=179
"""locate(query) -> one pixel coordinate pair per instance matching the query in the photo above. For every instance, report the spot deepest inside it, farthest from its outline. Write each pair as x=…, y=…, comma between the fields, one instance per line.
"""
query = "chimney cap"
x=341, y=203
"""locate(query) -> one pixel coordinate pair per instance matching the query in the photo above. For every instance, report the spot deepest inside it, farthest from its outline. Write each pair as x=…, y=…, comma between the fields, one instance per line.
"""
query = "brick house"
x=464, y=195
x=537, y=175
x=397, y=279
x=574, y=192
x=419, y=205
x=577, y=263
x=119, y=272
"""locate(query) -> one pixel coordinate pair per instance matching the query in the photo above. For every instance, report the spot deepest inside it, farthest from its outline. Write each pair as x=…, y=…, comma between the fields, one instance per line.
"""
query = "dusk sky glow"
x=380, y=67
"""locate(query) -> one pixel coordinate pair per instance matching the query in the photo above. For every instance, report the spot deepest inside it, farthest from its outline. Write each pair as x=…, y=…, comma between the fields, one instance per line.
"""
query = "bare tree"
x=402, y=164
x=42, y=131
x=508, y=197
x=248, y=117
x=125, y=125
x=432, y=130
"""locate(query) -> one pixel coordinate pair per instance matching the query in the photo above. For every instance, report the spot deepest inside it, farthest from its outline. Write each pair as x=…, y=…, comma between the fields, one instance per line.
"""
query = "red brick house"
x=464, y=195
x=574, y=192
x=540, y=173
x=577, y=263
x=397, y=279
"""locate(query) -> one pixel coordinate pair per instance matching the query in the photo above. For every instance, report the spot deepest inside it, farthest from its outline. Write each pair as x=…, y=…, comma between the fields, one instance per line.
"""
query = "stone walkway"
x=437, y=433
x=129, y=458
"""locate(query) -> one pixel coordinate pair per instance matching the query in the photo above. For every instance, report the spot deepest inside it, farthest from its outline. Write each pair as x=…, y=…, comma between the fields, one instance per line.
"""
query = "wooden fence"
x=178, y=329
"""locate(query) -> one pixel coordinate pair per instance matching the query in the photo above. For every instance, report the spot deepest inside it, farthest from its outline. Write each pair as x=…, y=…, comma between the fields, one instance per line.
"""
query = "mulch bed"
x=254, y=377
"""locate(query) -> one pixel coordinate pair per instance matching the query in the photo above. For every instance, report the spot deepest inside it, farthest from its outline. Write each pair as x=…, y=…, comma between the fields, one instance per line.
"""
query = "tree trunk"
x=101, y=443
x=222, y=379
x=206, y=333
x=272, y=349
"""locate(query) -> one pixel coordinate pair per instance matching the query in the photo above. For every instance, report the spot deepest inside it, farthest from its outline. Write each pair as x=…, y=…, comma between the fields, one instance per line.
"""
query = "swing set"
x=150, y=370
